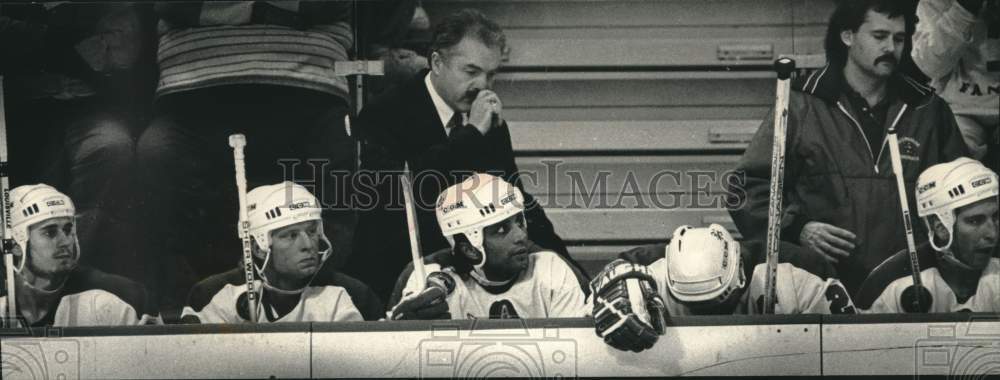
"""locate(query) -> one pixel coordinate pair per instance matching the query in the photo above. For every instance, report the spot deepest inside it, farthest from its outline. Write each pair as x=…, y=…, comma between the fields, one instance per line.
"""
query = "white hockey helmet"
x=477, y=202
x=33, y=204
x=704, y=264
x=271, y=207
x=944, y=187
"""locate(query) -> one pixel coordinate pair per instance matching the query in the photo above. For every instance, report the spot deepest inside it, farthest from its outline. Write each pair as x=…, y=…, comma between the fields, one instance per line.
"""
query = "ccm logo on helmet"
x=926, y=187
x=453, y=207
x=508, y=199
x=298, y=205
x=981, y=182
x=60, y=202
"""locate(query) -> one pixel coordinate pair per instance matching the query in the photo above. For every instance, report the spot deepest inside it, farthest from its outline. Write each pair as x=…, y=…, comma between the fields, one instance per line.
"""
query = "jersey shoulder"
x=362, y=296
x=552, y=270
x=131, y=292
x=544, y=264
x=203, y=291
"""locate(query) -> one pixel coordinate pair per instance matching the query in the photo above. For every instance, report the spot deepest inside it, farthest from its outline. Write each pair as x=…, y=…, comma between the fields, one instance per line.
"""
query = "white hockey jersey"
x=546, y=289
x=94, y=298
x=222, y=299
x=882, y=291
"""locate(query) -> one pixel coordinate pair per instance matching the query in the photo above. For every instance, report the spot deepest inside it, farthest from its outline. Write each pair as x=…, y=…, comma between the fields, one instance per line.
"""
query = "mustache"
x=887, y=58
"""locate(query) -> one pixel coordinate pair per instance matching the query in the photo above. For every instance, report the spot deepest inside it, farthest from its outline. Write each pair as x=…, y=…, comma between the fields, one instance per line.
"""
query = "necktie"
x=454, y=122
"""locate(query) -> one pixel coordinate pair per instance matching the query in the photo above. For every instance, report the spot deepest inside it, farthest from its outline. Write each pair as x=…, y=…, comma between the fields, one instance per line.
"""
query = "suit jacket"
x=403, y=125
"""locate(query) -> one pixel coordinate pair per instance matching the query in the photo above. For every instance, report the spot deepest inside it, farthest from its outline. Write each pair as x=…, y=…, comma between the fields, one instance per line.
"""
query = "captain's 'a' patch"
x=503, y=309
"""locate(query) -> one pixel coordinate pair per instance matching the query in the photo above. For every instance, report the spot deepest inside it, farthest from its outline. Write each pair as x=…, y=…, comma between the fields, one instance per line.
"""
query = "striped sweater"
x=285, y=43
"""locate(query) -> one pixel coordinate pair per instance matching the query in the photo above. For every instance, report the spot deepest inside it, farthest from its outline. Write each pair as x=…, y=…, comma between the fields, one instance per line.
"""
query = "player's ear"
x=847, y=37
x=17, y=252
x=255, y=249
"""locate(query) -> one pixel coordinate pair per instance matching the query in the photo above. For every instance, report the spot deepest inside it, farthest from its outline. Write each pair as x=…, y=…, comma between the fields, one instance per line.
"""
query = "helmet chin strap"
x=951, y=259
x=944, y=251
x=480, y=277
x=43, y=291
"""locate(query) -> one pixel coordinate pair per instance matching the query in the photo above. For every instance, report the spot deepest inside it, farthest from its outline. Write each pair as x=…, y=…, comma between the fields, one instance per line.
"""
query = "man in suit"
x=446, y=124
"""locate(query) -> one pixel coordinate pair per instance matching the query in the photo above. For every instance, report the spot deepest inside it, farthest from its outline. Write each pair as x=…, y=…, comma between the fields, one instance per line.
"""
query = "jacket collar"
x=825, y=84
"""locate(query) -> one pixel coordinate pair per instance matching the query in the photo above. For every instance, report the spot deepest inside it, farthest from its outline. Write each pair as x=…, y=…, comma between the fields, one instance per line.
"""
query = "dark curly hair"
x=850, y=14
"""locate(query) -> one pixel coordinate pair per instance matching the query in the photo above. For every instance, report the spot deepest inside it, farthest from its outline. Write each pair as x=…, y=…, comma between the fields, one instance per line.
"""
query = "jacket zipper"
x=863, y=137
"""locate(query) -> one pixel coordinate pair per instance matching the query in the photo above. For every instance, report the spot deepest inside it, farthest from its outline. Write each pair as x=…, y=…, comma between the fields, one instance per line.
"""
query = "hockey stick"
x=412, y=228
x=238, y=141
x=915, y=299
x=8, y=244
x=784, y=68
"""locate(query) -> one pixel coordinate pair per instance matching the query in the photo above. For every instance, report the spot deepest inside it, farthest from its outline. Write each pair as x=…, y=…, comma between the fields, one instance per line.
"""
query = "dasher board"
x=963, y=344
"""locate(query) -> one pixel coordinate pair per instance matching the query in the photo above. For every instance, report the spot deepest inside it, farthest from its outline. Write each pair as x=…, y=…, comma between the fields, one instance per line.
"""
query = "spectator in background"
x=445, y=123
x=957, y=44
x=397, y=32
x=77, y=78
x=265, y=69
x=841, y=198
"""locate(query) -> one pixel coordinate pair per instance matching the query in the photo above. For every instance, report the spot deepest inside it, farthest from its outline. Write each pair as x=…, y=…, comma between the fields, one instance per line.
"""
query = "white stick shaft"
x=8, y=262
x=413, y=229
x=897, y=170
x=775, y=196
x=237, y=142
x=6, y=244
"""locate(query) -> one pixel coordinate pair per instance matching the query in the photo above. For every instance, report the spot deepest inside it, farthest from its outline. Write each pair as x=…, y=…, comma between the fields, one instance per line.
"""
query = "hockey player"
x=702, y=273
x=492, y=270
x=51, y=289
x=289, y=250
x=958, y=202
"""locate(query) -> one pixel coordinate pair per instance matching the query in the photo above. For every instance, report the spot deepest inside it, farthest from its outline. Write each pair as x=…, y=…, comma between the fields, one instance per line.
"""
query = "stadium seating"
x=664, y=90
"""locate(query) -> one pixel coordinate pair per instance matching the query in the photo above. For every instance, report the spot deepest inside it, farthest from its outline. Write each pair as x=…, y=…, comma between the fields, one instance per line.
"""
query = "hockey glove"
x=628, y=311
x=429, y=304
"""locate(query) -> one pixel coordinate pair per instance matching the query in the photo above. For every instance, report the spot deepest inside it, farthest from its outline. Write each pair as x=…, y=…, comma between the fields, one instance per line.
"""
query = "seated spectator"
x=445, y=124
x=76, y=78
x=701, y=272
x=265, y=69
x=491, y=272
x=397, y=33
x=289, y=249
x=954, y=44
x=958, y=202
x=51, y=288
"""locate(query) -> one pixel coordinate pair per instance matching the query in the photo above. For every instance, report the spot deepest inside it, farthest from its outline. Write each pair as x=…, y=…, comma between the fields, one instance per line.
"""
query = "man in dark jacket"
x=445, y=124
x=840, y=196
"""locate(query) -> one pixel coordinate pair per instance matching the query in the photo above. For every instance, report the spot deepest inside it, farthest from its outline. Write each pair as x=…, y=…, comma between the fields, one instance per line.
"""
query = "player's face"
x=506, y=245
x=295, y=250
x=459, y=73
x=877, y=46
x=976, y=233
x=52, y=247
